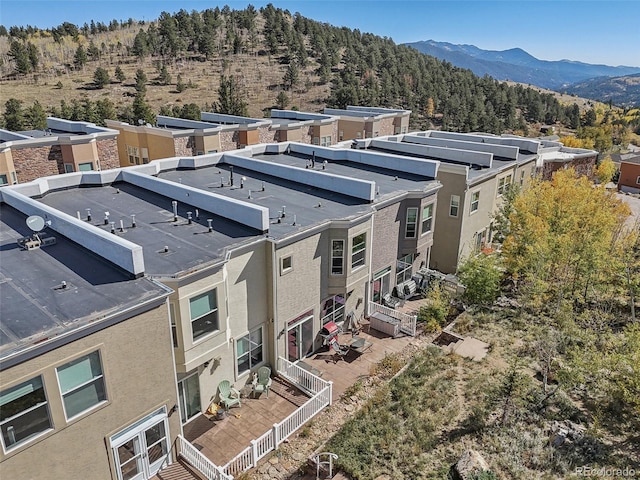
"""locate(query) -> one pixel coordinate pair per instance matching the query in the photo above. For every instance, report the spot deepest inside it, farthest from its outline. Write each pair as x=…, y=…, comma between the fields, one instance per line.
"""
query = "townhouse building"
x=304, y=127
x=64, y=146
x=256, y=249
x=629, y=179
x=84, y=352
x=369, y=122
x=475, y=171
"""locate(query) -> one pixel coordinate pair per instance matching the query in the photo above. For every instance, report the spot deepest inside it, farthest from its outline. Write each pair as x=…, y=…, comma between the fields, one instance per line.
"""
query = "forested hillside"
x=246, y=62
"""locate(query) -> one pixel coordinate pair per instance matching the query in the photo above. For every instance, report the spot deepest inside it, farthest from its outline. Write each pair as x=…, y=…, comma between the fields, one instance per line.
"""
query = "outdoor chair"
x=262, y=381
x=391, y=302
x=229, y=396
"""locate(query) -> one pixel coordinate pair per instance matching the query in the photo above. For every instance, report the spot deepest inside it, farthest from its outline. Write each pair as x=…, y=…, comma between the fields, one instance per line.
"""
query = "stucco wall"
x=138, y=372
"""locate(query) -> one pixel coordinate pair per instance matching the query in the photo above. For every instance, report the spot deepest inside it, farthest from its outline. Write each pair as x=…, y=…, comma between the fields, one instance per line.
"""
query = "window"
x=337, y=257
x=503, y=185
x=358, y=134
x=14, y=178
x=204, y=314
x=249, y=351
x=403, y=268
x=358, y=250
x=316, y=141
x=286, y=264
x=454, y=206
x=134, y=155
x=427, y=218
x=24, y=413
x=475, y=201
x=174, y=329
x=68, y=168
x=85, y=167
x=81, y=384
x=341, y=135
x=333, y=309
x=325, y=141
x=145, y=155
x=403, y=129
x=3, y=180
x=412, y=223
x=481, y=239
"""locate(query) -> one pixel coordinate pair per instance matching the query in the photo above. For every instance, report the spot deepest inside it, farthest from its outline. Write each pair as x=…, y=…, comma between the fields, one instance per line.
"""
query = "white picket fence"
x=407, y=322
x=321, y=392
x=197, y=460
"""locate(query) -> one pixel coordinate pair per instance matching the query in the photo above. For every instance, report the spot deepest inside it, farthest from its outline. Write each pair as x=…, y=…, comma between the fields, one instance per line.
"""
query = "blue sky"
x=592, y=31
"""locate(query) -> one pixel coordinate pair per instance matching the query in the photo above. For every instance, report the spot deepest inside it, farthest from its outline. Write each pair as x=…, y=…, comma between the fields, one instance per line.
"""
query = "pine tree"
x=119, y=74
x=20, y=55
x=80, y=58
x=230, y=98
x=101, y=78
x=13, y=115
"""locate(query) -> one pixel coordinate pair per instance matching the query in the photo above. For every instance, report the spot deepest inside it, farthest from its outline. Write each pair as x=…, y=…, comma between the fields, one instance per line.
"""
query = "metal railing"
x=320, y=391
x=198, y=461
x=407, y=322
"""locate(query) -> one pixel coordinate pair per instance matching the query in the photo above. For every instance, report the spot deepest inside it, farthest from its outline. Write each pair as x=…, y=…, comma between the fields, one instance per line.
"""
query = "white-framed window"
x=503, y=185
x=358, y=134
x=481, y=239
x=337, y=257
x=325, y=141
x=475, y=201
x=145, y=155
x=333, y=309
x=81, y=384
x=286, y=264
x=134, y=155
x=341, y=135
x=454, y=205
x=404, y=268
x=411, y=225
x=358, y=250
x=24, y=413
x=3, y=180
x=315, y=141
x=85, y=167
x=14, y=178
x=249, y=351
x=427, y=218
x=204, y=314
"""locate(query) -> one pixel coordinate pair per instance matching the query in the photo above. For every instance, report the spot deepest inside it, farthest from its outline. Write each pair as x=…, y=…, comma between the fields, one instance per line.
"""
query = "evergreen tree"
x=20, y=55
x=14, y=115
x=101, y=78
x=80, y=58
x=36, y=117
x=230, y=98
x=119, y=74
x=141, y=81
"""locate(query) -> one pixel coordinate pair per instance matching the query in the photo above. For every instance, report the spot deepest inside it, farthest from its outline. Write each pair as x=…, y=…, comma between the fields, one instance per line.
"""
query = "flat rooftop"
x=189, y=245
x=36, y=309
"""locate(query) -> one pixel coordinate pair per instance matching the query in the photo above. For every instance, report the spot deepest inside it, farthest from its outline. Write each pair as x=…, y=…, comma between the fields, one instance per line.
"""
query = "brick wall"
x=32, y=163
x=108, y=153
x=582, y=166
x=386, y=127
x=266, y=135
x=182, y=147
x=228, y=140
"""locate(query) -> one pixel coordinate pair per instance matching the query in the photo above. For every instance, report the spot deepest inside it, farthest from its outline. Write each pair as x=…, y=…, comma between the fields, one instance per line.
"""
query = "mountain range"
x=519, y=66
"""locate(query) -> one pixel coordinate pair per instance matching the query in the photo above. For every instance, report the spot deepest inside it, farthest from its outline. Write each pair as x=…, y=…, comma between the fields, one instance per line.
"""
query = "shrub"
x=481, y=276
x=434, y=313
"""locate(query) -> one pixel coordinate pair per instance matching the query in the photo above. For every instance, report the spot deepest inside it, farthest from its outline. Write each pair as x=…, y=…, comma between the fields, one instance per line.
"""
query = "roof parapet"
x=470, y=157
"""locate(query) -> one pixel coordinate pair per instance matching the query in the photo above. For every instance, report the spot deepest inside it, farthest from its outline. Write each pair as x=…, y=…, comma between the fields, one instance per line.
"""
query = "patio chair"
x=229, y=396
x=262, y=381
x=392, y=302
x=339, y=351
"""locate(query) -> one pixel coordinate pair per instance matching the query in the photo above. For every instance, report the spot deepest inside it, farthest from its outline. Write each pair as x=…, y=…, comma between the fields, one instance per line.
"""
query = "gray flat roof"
x=189, y=245
x=299, y=199
x=35, y=309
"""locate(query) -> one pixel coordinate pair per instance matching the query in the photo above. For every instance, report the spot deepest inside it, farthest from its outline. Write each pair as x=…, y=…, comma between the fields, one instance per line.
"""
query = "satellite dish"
x=35, y=223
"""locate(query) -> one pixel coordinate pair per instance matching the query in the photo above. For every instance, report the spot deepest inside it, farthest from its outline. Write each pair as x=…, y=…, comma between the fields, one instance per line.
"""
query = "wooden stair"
x=179, y=470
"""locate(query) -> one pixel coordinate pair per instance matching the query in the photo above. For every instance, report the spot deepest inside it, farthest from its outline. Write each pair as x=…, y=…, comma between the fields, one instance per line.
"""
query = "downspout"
x=274, y=300
x=369, y=279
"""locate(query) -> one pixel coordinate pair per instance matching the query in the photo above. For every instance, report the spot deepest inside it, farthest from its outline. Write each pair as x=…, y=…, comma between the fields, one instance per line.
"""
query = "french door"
x=140, y=449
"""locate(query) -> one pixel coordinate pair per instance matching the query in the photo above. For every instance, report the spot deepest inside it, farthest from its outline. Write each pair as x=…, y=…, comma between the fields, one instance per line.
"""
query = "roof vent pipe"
x=106, y=218
x=88, y=214
x=133, y=221
x=249, y=194
x=242, y=179
x=231, y=177
x=121, y=225
x=78, y=215
x=313, y=159
x=294, y=221
x=189, y=221
x=324, y=165
x=174, y=204
x=210, y=221
x=113, y=227
x=197, y=214
x=284, y=213
x=263, y=186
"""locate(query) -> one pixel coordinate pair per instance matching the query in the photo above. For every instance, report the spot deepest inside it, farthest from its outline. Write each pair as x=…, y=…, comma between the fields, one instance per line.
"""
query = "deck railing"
x=320, y=391
x=407, y=322
x=198, y=461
